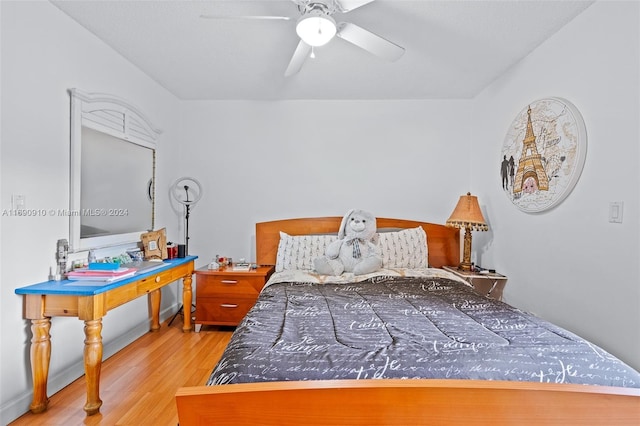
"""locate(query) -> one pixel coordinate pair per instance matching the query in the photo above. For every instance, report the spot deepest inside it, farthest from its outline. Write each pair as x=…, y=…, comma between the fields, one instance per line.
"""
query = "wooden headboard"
x=443, y=242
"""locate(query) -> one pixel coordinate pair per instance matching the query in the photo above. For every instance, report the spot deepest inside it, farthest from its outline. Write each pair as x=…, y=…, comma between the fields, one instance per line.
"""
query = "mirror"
x=112, y=172
x=114, y=176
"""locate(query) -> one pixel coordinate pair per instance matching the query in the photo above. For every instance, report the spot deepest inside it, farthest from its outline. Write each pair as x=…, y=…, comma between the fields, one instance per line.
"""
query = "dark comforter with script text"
x=399, y=327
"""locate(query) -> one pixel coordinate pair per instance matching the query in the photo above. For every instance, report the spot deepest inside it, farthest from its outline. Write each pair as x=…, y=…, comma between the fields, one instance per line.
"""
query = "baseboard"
x=20, y=405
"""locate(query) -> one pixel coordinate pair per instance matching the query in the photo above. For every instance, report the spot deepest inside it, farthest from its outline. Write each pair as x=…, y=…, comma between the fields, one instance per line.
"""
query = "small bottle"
x=214, y=264
x=58, y=275
x=92, y=257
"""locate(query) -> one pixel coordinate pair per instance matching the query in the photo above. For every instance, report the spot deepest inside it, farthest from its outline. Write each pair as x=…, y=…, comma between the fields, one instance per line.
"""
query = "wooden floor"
x=138, y=384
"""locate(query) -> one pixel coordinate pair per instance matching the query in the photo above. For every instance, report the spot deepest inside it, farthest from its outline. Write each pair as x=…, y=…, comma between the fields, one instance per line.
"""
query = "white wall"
x=44, y=53
x=570, y=265
x=261, y=161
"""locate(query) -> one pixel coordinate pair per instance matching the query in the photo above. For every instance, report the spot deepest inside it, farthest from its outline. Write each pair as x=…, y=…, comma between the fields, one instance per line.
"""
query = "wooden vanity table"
x=90, y=301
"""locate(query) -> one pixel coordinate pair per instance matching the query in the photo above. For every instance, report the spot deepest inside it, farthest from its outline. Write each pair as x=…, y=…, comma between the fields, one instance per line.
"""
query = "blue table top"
x=90, y=288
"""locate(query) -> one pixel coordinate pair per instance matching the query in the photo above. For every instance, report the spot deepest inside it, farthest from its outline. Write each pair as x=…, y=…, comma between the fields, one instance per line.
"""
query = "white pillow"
x=404, y=249
x=298, y=252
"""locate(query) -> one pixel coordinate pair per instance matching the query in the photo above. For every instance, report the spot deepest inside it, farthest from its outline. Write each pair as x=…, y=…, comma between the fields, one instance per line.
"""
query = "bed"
x=411, y=344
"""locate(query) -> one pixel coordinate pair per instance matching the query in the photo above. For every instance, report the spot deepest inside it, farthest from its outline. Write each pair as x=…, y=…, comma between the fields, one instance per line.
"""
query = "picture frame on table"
x=155, y=244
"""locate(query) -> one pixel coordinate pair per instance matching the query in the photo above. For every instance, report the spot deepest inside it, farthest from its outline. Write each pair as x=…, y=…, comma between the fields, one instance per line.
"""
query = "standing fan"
x=186, y=191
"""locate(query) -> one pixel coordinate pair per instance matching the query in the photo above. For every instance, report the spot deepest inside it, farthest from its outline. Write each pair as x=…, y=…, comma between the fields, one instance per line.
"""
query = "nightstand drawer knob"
x=228, y=305
x=157, y=279
x=229, y=282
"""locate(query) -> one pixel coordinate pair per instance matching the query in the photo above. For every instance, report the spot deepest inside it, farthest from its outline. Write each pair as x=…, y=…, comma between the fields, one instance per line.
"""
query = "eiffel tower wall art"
x=543, y=154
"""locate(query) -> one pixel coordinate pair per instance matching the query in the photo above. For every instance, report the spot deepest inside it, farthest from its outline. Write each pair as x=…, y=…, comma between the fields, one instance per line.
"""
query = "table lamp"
x=467, y=215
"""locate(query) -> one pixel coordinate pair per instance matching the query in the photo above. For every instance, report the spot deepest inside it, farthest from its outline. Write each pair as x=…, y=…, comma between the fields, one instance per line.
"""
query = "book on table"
x=86, y=274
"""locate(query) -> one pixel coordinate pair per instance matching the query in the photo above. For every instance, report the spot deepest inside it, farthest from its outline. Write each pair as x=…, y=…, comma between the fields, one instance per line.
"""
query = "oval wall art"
x=543, y=154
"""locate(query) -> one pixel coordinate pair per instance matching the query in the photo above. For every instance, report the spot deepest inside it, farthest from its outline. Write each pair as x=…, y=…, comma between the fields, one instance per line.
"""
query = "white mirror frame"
x=116, y=117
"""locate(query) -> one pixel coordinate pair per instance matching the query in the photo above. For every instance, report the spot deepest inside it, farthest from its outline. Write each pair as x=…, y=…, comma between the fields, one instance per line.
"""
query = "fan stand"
x=186, y=228
x=181, y=312
x=187, y=205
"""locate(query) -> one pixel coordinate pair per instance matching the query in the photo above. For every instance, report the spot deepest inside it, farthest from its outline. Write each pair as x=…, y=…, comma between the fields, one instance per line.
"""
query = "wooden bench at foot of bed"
x=407, y=402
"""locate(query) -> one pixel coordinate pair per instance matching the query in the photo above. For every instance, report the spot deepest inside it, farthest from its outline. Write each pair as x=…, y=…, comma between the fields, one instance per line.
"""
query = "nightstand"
x=490, y=285
x=224, y=296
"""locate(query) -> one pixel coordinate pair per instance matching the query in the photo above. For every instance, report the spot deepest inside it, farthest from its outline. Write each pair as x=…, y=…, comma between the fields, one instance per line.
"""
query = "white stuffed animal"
x=356, y=249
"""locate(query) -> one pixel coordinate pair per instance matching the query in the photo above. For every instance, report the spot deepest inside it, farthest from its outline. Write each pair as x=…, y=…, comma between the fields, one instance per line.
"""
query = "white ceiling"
x=454, y=48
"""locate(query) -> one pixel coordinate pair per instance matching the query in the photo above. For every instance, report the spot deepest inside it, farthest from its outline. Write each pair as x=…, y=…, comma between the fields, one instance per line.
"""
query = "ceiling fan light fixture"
x=316, y=28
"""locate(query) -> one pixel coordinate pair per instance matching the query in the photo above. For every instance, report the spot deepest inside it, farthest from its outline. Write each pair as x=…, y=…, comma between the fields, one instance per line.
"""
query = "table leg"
x=92, y=364
x=40, y=357
x=154, y=300
x=186, y=303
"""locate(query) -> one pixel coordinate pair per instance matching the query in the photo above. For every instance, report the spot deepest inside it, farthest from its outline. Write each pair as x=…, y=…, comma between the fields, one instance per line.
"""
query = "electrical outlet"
x=17, y=202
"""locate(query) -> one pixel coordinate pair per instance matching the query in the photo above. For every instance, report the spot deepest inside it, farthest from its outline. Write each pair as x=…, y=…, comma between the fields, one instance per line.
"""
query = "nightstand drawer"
x=222, y=310
x=214, y=285
x=224, y=296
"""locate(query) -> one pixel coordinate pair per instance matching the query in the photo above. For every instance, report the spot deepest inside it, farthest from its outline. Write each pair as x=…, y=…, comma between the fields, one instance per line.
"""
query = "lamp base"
x=465, y=266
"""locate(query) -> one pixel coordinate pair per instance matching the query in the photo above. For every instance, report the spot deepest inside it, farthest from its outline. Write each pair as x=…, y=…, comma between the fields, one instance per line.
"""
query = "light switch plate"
x=615, y=211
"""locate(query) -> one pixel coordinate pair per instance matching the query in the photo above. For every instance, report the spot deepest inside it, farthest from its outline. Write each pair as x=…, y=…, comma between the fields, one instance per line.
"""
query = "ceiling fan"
x=316, y=27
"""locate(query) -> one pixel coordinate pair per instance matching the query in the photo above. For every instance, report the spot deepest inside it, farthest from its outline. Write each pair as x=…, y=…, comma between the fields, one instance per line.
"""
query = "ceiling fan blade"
x=347, y=5
x=298, y=58
x=369, y=41
x=251, y=17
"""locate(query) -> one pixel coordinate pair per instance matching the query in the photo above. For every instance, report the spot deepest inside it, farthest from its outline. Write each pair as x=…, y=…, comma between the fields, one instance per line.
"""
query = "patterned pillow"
x=298, y=252
x=404, y=249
